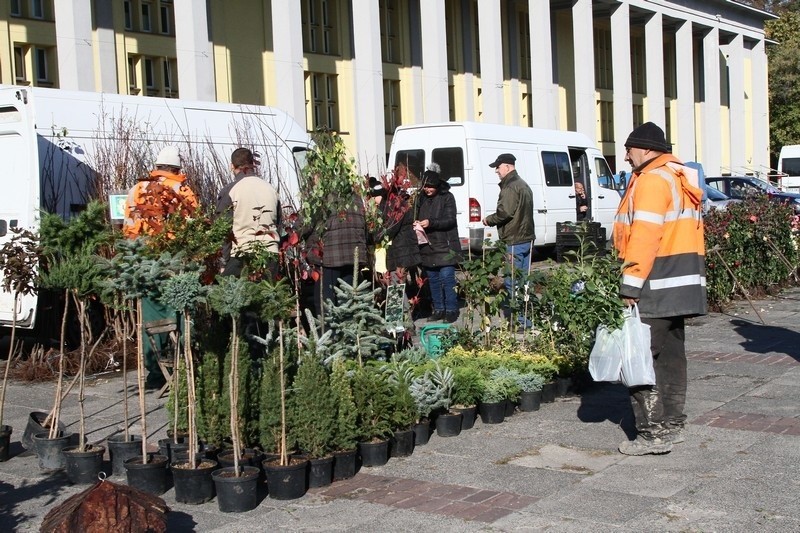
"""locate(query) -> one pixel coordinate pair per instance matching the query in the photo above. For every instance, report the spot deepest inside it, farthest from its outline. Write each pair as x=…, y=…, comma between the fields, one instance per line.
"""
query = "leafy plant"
x=427, y=395
x=467, y=385
x=442, y=377
x=477, y=284
x=494, y=390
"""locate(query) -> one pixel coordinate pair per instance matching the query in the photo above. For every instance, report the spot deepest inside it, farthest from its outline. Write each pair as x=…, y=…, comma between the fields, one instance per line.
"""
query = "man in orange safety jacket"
x=658, y=232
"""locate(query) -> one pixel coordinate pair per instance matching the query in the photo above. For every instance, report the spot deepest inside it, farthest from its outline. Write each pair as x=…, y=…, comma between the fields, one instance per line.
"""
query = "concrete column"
x=738, y=144
x=287, y=39
x=194, y=50
x=545, y=106
x=106, y=46
x=583, y=45
x=368, y=83
x=434, y=61
x=684, y=79
x=621, y=70
x=712, y=141
x=759, y=78
x=490, y=35
x=74, y=44
x=654, y=65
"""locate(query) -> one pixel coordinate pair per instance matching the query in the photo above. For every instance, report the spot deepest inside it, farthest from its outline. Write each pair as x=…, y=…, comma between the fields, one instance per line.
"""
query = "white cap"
x=169, y=156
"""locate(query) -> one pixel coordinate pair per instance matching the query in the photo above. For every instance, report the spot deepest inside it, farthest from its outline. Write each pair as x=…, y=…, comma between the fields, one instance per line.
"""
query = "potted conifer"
x=345, y=434
x=373, y=401
x=530, y=385
x=467, y=390
x=428, y=397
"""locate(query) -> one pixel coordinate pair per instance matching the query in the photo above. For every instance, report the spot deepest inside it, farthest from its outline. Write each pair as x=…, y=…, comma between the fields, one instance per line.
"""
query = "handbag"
x=637, y=358
x=605, y=360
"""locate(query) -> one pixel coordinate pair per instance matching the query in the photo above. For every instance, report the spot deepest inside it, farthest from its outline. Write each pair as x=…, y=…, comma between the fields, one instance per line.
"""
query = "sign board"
x=116, y=206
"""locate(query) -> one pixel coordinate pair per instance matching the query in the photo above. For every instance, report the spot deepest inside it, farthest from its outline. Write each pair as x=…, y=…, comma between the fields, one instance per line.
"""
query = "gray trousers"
x=659, y=409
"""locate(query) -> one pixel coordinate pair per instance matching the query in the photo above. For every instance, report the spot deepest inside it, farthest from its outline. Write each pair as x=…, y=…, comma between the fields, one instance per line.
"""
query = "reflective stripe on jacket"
x=658, y=232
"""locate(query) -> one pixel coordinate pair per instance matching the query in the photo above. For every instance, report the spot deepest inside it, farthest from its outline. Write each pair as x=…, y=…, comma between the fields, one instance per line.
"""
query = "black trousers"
x=659, y=409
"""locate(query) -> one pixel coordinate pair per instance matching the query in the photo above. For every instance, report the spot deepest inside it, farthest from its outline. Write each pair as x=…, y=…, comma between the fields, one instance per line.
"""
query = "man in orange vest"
x=158, y=195
x=658, y=232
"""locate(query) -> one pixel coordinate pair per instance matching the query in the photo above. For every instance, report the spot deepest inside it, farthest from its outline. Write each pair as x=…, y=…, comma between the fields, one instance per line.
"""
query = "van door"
x=559, y=193
x=605, y=196
x=19, y=203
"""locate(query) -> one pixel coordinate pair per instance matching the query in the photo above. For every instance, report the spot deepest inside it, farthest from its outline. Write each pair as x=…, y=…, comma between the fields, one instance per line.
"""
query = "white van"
x=51, y=139
x=789, y=168
x=551, y=161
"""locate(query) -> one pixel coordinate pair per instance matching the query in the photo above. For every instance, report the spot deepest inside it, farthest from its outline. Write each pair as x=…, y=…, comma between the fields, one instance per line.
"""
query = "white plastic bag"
x=637, y=359
x=605, y=361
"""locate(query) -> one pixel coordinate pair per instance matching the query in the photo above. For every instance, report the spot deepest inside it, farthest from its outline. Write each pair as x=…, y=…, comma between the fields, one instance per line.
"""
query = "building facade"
x=698, y=68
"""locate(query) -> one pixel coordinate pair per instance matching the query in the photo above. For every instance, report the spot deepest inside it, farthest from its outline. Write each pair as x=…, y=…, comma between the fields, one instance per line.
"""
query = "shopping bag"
x=605, y=360
x=637, y=359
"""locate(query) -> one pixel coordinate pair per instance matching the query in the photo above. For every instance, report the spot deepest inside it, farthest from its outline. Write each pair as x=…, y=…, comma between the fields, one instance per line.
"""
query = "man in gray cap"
x=514, y=221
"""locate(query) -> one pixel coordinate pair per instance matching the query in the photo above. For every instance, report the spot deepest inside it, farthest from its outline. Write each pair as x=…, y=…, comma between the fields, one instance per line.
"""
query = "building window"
x=16, y=8
x=638, y=115
x=451, y=98
x=133, y=85
x=37, y=9
x=145, y=22
x=450, y=19
x=19, y=64
x=603, y=72
x=41, y=65
x=606, y=121
x=637, y=65
x=476, y=38
x=390, y=31
x=319, y=28
x=126, y=7
x=149, y=75
x=170, y=80
x=152, y=76
x=524, y=46
x=324, y=110
x=527, y=107
x=167, y=14
x=670, y=85
x=391, y=105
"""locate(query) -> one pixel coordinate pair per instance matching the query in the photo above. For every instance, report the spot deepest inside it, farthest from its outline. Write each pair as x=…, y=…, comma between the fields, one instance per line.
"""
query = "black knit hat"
x=650, y=137
x=431, y=179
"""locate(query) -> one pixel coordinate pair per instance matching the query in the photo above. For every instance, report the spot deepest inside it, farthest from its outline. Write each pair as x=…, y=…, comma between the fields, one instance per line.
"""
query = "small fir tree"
x=269, y=412
x=312, y=408
x=372, y=397
x=210, y=422
x=345, y=436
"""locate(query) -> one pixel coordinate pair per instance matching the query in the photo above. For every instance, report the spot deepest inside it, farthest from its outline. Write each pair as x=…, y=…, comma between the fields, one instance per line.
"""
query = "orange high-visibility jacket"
x=658, y=232
x=154, y=198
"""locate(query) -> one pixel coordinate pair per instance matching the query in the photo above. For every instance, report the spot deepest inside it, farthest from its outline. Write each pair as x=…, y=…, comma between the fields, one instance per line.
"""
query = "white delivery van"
x=551, y=161
x=789, y=168
x=51, y=141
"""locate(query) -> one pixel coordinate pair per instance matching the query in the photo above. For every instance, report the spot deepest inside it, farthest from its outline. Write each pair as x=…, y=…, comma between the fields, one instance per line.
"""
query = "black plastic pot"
x=530, y=401
x=236, y=494
x=120, y=450
x=492, y=413
x=549, y=392
x=374, y=453
x=50, y=450
x=34, y=426
x=151, y=476
x=511, y=405
x=286, y=482
x=468, y=416
x=320, y=472
x=344, y=464
x=563, y=387
x=82, y=468
x=422, y=432
x=401, y=444
x=448, y=424
x=5, y=442
x=193, y=485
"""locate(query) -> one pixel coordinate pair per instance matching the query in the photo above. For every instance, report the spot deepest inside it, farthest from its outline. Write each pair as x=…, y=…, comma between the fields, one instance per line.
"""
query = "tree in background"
x=784, y=77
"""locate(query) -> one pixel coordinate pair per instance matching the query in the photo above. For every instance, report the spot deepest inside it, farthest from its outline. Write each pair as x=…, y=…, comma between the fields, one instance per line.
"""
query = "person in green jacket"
x=514, y=221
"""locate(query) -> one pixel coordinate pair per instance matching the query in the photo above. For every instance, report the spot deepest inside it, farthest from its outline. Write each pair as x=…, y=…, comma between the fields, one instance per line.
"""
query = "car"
x=716, y=199
x=739, y=187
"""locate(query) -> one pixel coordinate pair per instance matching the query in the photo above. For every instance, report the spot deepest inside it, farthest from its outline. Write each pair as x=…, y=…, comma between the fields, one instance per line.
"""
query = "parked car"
x=739, y=187
x=716, y=199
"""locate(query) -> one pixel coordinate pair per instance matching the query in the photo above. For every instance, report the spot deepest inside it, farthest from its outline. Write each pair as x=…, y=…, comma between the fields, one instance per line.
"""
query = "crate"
x=570, y=234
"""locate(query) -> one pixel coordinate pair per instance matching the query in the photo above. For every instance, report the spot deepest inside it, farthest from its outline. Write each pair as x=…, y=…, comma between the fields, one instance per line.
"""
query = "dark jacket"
x=404, y=249
x=514, y=215
x=444, y=248
x=341, y=234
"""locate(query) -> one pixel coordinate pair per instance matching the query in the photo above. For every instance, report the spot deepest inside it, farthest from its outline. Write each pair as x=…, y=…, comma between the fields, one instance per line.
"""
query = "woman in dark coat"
x=436, y=215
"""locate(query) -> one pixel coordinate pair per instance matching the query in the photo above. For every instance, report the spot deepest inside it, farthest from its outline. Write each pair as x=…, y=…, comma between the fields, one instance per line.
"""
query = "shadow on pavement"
x=767, y=339
x=607, y=401
x=10, y=497
x=180, y=521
